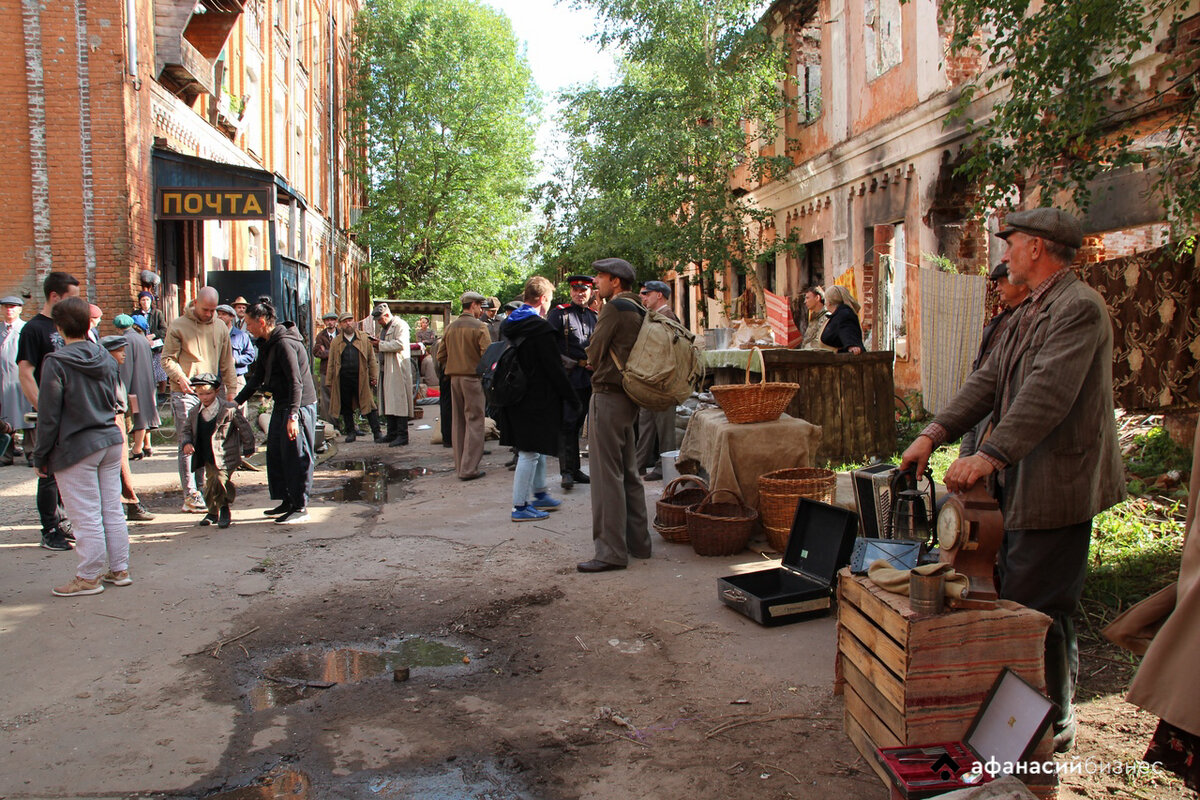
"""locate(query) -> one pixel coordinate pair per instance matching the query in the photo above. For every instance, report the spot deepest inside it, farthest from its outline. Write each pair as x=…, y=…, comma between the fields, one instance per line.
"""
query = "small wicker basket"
x=779, y=493
x=754, y=402
x=720, y=529
x=672, y=507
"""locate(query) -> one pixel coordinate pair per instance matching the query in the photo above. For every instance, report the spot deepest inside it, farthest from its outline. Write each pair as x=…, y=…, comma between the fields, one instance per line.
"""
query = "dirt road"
x=267, y=661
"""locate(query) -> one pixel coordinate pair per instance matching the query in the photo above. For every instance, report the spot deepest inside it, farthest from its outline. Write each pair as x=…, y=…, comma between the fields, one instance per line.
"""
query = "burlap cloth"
x=736, y=455
x=896, y=580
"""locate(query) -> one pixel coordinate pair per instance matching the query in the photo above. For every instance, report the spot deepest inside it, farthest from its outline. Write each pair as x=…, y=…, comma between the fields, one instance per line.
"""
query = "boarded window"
x=881, y=36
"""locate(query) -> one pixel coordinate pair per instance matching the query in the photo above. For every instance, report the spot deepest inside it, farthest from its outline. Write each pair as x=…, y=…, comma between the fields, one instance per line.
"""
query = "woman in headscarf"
x=843, y=330
x=137, y=375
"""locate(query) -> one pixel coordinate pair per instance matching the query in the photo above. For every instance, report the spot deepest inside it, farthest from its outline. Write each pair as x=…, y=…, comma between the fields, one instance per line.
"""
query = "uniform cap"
x=1052, y=224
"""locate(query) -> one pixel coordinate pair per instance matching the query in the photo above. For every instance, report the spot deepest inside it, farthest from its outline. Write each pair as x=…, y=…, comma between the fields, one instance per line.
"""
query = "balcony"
x=188, y=37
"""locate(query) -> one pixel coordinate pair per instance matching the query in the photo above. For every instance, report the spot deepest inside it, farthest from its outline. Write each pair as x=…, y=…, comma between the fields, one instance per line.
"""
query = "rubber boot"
x=401, y=433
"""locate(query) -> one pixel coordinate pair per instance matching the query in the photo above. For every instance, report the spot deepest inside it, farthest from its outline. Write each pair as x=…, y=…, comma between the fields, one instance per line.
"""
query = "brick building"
x=202, y=140
x=872, y=193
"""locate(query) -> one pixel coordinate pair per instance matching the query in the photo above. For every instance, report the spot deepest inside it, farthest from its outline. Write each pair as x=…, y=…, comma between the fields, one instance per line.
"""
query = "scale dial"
x=949, y=527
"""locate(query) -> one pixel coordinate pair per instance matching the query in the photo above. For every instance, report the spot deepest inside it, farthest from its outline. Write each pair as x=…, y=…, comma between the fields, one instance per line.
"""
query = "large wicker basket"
x=754, y=402
x=720, y=529
x=671, y=517
x=779, y=493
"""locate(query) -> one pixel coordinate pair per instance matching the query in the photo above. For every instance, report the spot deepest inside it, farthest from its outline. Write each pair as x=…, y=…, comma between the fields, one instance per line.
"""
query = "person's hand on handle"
x=918, y=453
x=966, y=472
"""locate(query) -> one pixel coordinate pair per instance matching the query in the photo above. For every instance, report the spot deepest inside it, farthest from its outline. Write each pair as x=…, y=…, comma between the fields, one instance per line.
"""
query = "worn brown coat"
x=368, y=373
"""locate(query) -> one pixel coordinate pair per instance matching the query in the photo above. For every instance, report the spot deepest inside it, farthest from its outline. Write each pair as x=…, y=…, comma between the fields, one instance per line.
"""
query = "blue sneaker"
x=527, y=513
x=545, y=502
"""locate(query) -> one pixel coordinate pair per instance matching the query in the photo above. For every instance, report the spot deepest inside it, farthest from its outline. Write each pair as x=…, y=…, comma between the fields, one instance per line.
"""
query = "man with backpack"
x=458, y=353
x=656, y=429
x=530, y=391
x=619, y=525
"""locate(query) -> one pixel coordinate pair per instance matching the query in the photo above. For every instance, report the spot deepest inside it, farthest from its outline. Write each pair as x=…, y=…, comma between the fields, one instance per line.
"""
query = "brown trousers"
x=466, y=398
x=619, y=526
x=218, y=487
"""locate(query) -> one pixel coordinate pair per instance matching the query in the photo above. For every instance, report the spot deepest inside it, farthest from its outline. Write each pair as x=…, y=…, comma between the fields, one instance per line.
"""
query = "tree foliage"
x=1072, y=109
x=442, y=115
x=647, y=173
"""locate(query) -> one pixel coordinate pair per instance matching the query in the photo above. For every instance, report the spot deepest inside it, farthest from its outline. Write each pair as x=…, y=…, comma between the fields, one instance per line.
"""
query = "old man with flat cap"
x=1051, y=457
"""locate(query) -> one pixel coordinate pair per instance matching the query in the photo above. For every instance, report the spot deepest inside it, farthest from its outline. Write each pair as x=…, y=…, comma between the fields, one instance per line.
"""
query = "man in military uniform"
x=574, y=323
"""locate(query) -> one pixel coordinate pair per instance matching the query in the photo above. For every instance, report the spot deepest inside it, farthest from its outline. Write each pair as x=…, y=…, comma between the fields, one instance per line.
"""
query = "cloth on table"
x=896, y=580
x=736, y=455
x=735, y=358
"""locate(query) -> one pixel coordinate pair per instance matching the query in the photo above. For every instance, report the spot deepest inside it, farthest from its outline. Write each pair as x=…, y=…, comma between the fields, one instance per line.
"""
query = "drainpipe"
x=131, y=54
x=35, y=88
x=85, y=148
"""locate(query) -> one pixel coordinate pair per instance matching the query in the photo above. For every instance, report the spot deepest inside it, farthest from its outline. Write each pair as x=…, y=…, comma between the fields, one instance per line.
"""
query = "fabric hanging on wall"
x=779, y=315
x=1153, y=299
x=952, y=317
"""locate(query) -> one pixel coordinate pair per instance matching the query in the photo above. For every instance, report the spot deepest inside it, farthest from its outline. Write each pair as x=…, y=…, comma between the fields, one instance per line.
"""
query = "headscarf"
x=146, y=294
x=839, y=295
x=141, y=321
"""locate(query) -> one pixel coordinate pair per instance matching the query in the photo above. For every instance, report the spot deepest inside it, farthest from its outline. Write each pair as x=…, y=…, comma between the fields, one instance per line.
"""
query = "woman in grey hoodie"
x=79, y=442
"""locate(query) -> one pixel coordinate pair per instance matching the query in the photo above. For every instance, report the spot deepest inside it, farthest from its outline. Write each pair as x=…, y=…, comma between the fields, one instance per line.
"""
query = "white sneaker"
x=194, y=504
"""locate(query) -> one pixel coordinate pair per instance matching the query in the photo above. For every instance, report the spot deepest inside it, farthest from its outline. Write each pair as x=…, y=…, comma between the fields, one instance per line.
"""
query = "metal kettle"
x=913, y=509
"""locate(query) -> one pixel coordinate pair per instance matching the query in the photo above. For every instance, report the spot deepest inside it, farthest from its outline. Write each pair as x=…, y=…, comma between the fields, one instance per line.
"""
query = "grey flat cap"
x=657, y=286
x=329, y=315
x=225, y=308
x=999, y=271
x=1052, y=224
x=113, y=342
x=617, y=267
x=11, y=300
x=471, y=297
x=379, y=309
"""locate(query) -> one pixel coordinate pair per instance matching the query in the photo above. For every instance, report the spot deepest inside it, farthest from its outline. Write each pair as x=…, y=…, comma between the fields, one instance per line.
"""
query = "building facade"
x=203, y=141
x=873, y=201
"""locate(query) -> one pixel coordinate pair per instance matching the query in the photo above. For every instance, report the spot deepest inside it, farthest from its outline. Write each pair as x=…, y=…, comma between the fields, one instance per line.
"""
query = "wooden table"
x=909, y=679
x=734, y=456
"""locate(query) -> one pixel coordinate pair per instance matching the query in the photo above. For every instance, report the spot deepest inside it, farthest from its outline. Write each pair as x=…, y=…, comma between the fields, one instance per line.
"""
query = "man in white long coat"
x=13, y=404
x=390, y=336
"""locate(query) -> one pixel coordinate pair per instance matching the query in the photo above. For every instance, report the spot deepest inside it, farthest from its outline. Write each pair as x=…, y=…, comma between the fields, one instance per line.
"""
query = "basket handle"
x=670, y=488
x=708, y=498
x=762, y=362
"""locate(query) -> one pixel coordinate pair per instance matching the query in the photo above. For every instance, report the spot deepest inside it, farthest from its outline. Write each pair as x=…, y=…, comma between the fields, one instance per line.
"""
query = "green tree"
x=1066, y=67
x=647, y=174
x=442, y=115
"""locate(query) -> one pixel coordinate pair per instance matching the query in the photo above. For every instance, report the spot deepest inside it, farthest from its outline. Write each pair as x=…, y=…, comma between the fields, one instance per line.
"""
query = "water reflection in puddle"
x=373, y=483
x=466, y=779
x=278, y=784
x=300, y=674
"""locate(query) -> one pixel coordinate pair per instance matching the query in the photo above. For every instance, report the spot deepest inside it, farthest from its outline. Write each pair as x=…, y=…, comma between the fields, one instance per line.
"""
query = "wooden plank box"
x=911, y=679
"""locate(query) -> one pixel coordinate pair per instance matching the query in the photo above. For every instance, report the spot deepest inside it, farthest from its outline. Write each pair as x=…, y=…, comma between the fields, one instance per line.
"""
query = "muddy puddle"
x=458, y=779
x=371, y=481
x=302, y=674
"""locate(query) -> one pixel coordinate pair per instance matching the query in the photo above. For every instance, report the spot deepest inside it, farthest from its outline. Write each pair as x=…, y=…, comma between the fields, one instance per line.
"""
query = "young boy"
x=217, y=436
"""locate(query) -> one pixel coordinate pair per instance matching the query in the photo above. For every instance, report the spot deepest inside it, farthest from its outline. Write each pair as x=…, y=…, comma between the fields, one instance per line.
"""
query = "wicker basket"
x=779, y=493
x=720, y=529
x=754, y=402
x=677, y=534
x=672, y=506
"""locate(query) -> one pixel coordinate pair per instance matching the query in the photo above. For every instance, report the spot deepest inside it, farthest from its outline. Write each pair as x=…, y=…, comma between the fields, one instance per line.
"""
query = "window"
x=252, y=112
x=279, y=127
x=881, y=35
x=808, y=95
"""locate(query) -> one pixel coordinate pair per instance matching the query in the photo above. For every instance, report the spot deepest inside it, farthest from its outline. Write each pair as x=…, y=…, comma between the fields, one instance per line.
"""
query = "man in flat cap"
x=1051, y=456
x=573, y=323
x=13, y=403
x=390, y=336
x=619, y=528
x=458, y=353
x=352, y=375
x=491, y=308
x=320, y=354
x=656, y=429
x=244, y=351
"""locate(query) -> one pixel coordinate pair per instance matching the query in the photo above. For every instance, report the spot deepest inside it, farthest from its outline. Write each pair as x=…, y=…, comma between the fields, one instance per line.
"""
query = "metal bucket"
x=668, y=466
x=927, y=593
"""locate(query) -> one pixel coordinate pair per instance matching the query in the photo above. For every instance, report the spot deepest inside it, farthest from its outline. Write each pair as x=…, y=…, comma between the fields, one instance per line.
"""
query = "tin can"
x=927, y=593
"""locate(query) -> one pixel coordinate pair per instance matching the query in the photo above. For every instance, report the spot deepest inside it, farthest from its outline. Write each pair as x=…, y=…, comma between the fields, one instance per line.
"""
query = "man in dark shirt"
x=38, y=339
x=574, y=323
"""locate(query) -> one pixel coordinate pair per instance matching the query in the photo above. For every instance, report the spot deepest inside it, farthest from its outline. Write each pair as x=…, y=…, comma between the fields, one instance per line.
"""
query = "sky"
x=559, y=53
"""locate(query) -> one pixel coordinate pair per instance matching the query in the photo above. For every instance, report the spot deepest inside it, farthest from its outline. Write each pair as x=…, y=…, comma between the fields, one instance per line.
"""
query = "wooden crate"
x=852, y=398
x=909, y=679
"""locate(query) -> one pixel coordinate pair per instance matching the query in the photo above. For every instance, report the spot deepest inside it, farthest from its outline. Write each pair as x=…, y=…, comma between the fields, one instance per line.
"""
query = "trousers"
x=656, y=435
x=466, y=397
x=91, y=489
x=181, y=405
x=619, y=527
x=572, y=424
x=218, y=486
x=290, y=463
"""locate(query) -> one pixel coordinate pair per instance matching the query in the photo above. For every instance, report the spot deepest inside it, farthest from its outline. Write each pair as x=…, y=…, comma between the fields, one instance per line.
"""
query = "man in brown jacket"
x=459, y=352
x=1052, y=452
x=619, y=527
x=352, y=375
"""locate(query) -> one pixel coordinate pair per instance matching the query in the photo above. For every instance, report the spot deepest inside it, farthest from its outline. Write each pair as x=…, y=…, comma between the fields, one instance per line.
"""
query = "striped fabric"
x=952, y=317
x=779, y=315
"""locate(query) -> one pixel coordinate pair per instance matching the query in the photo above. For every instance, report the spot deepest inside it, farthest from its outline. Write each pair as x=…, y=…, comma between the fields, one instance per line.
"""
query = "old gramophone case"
x=821, y=539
